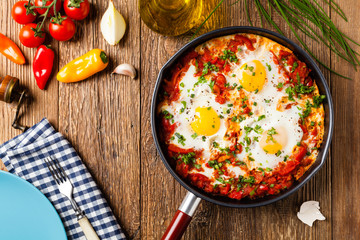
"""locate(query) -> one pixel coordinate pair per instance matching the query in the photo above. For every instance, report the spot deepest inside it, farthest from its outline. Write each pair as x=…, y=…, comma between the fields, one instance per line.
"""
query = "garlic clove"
x=310, y=212
x=112, y=25
x=125, y=69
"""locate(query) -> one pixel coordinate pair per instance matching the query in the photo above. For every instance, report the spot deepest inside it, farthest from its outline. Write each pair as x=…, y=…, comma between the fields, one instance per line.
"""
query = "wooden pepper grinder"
x=10, y=91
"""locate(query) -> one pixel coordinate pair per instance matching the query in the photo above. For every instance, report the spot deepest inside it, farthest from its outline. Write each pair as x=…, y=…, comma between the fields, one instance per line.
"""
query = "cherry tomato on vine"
x=62, y=28
x=29, y=38
x=39, y=3
x=18, y=13
x=77, y=9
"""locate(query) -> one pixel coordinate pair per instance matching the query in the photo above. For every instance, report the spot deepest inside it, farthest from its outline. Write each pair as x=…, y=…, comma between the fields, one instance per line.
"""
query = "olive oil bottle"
x=171, y=17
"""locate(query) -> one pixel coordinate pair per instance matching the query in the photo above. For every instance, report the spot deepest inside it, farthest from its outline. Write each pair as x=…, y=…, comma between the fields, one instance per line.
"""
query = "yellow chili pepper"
x=83, y=67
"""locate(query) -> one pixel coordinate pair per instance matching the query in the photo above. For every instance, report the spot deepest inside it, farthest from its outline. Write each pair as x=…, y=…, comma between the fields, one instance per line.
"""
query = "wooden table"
x=106, y=118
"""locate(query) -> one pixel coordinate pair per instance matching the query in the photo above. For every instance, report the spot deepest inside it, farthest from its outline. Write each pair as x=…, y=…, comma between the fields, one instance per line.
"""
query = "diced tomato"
x=220, y=80
x=176, y=149
x=220, y=99
x=304, y=129
x=247, y=190
x=216, y=89
x=300, y=154
x=263, y=188
x=306, y=161
x=208, y=187
x=224, y=189
x=246, y=41
x=199, y=180
x=214, y=60
x=309, y=82
x=239, y=146
x=288, y=167
x=284, y=54
x=275, y=59
x=235, y=195
x=258, y=177
x=169, y=128
x=227, y=68
x=314, y=132
x=183, y=169
x=246, y=110
x=291, y=60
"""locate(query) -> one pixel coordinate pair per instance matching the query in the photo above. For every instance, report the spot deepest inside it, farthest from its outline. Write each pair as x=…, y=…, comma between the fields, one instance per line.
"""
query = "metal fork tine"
x=51, y=171
x=55, y=170
x=59, y=167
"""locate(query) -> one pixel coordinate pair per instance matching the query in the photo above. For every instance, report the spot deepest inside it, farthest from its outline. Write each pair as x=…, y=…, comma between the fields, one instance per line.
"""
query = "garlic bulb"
x=112, y=25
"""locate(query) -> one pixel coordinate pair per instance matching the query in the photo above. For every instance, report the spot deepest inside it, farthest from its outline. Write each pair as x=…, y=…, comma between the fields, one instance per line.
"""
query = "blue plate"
x=25, y=213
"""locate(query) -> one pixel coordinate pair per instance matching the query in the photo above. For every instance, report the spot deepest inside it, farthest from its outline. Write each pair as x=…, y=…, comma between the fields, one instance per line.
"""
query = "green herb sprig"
x=297, y=14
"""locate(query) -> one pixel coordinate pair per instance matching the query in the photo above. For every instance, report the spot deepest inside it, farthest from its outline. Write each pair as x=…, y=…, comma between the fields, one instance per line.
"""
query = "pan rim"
x=259, y=31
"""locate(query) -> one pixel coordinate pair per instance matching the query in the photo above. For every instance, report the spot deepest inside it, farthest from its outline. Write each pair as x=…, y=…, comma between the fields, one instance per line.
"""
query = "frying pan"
x=185, y=212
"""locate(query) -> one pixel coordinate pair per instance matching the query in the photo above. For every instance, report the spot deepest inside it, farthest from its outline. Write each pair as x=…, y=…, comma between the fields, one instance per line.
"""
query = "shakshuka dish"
x=240, y=116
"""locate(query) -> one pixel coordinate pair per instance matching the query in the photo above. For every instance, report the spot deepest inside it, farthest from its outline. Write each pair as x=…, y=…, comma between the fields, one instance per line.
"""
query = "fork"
x=66, y=188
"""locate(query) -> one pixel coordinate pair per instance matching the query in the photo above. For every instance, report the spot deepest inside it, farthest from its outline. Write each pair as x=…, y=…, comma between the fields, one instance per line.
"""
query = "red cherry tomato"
x=62, y=29
x=18, y=13
x=27, y=36
x=39, y=3
x=77, y=9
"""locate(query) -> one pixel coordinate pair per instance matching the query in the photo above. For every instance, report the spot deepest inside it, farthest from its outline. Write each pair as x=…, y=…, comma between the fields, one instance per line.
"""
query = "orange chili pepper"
x=10, y=50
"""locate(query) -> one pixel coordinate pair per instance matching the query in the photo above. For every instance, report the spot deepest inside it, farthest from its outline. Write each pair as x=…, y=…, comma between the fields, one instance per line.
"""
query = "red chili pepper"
x=42, y=65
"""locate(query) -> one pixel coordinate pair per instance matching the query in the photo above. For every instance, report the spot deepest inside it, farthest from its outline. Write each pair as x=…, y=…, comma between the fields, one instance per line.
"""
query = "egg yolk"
x=273, y=140
x=206, y=122
x=253, y=76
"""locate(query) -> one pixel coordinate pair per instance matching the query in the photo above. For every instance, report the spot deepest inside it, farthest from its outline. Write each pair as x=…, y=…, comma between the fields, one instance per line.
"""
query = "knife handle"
x=88, y=230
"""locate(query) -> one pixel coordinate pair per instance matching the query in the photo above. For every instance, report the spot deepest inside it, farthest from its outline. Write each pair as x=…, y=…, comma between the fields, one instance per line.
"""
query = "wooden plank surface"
x=107, y=119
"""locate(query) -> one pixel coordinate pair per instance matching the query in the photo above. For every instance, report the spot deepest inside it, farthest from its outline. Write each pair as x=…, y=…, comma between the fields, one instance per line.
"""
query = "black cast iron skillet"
x=188, y=207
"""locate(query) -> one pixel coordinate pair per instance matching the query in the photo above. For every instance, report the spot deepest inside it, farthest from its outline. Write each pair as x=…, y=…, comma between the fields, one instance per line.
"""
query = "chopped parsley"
x=188, y=158
x=258, y=129
x=280, y=85
x=306, y=112
x=268, y=66
x=261, y=117
x=228, y=54
x=211, y=85
x=183, y=109
x=318, y=100
x=181, y=138
x=295, y=65
x=290, y=91
x=194, y=135
x=301, y=88
x=271, y=132
x=251, y=179
x=167, y=115
x=197, y=166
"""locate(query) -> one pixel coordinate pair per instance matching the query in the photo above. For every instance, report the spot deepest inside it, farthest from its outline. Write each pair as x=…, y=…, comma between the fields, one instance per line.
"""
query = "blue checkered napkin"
x=24, y=156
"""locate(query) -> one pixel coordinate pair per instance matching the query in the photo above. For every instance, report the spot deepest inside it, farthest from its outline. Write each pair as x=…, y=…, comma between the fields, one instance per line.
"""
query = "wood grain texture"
x=107, y=119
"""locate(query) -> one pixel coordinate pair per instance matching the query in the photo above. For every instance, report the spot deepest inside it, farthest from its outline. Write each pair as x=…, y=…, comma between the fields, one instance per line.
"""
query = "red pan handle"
x=182, y=218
